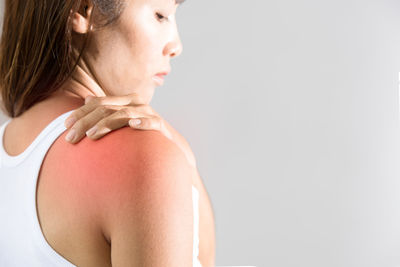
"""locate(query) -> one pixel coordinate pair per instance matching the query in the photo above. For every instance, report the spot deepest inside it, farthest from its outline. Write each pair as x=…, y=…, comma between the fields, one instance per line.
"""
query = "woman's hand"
x=101, y=115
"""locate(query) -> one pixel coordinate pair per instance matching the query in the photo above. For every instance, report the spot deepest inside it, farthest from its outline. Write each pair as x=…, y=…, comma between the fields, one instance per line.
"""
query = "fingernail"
x=135, y=122
x=71, y=135
x=92, y=131
x=69, y=122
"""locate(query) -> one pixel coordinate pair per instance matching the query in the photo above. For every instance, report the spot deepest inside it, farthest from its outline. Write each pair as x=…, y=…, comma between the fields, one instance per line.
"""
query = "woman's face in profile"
x=125, y=56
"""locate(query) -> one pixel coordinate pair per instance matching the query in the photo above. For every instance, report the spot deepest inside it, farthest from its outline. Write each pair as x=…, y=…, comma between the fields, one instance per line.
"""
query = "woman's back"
x=88, y=194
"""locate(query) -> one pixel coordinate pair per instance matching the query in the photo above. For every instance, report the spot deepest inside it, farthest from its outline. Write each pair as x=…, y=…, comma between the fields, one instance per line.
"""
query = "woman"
x=128, y=199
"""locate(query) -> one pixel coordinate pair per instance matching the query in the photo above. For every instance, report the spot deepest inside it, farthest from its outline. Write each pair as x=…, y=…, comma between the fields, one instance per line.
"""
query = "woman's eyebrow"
x=179, y=1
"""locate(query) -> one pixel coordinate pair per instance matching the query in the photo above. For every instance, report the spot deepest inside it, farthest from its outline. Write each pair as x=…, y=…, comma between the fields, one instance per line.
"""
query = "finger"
x=149, y=123
x=88, y=98
x=115, y=121
x=92, y=102
x=153, y=123
x=78, y=114
x=78, y=131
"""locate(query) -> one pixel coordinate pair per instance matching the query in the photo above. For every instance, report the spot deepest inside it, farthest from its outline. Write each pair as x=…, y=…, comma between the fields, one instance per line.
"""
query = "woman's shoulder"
x=120, y=161
x=125, y=167
x=123, y=151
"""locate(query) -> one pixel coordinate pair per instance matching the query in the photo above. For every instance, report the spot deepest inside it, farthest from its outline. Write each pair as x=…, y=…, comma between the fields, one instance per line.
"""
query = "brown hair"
x=36, y=48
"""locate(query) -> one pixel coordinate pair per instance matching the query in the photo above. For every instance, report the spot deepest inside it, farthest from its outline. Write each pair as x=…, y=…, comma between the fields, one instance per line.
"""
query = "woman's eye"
x=161, y=17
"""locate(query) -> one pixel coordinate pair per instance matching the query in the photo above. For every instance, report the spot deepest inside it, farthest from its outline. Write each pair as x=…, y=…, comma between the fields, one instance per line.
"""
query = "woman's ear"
x=81, y=18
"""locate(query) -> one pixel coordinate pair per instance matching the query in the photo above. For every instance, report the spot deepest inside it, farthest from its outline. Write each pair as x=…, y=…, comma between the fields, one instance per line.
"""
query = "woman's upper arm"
x=150, y=216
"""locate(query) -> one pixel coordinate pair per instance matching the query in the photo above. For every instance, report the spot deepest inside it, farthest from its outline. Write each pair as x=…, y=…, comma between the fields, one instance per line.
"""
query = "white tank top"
x=21, y=239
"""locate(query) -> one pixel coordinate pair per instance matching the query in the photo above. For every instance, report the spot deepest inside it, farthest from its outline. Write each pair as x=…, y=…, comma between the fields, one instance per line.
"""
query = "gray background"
x=292, y=109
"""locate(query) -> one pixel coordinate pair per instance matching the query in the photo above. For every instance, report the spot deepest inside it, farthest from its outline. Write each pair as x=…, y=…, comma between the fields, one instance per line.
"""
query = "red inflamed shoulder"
x=126, y=174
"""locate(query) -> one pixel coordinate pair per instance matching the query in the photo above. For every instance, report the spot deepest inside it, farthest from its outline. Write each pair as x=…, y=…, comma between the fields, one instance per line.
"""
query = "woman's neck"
x=81, y=84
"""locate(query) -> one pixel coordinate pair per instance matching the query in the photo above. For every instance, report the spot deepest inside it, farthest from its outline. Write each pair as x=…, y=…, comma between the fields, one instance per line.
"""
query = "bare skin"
x=92, y=72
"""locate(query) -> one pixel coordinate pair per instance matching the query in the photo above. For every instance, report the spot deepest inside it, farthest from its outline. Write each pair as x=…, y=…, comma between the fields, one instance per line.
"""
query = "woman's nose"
x=174, y=49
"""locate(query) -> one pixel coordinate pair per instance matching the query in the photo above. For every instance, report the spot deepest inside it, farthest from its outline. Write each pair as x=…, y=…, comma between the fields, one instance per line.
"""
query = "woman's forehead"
x=160, y=2
x=168, y=2
x=153, y=3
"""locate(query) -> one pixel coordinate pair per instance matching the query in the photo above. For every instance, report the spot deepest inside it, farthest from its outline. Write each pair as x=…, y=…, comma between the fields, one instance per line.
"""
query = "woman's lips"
x=159, y=79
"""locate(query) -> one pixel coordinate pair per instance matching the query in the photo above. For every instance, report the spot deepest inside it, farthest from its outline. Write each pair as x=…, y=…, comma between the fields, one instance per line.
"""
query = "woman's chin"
x=147, y=96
